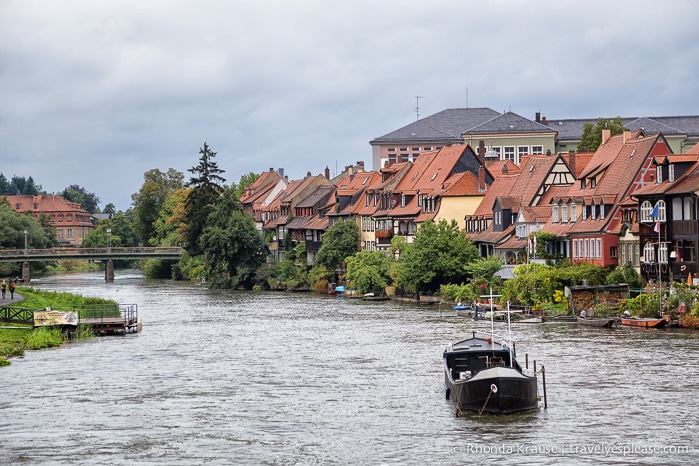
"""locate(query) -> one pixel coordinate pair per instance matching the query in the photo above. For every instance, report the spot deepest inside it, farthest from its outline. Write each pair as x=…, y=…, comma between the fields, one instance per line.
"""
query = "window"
x=661, y=210
x=646, y=209
x=662, y=253
x=584, y=211
x=599, y=248
x=521, y=152
x=575, y=249
x=648, y=252
x=671, y=173
x=564, y=213
x=554, y=213
x=419, y=199
x=537, y=149
x=624, y=260
x=402, y=200
x=573, y=212
x=52, y=218
x=659, y=174
x=60, y=217
x=593, y=183
x=592, y=248
x=509, y=153
x=70, y=232
x=593, y=210
x=60, y=232
x=601, y=209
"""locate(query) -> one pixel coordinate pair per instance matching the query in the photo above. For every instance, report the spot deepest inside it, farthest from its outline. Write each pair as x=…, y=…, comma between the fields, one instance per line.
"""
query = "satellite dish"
x=274, y=238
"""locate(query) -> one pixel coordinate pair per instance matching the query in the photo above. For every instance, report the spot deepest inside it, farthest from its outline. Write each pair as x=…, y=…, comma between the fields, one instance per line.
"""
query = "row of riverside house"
x=597, y=207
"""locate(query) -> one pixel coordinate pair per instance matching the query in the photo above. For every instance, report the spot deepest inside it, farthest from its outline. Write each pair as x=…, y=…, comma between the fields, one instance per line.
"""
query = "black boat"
x=483, y=375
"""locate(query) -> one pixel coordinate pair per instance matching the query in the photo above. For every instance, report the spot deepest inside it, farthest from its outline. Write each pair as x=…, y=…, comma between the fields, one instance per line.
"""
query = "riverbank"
x=16, y=338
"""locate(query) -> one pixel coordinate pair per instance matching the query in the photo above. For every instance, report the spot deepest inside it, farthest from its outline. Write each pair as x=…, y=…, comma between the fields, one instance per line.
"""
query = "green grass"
x=14, y=341
x=87, y=306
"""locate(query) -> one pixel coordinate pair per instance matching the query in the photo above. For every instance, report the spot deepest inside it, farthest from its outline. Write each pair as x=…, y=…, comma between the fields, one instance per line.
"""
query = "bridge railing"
x=120, y=251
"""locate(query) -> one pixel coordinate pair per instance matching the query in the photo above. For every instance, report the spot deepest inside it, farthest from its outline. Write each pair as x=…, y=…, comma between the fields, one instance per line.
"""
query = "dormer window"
x=564, y=213
x=582, y=183
x=573, y=212
x=659, y=174
x=671, y=173
x=593, y=211
x=601, y=209
x=554, y=213
x=419, y=199
x=402, y=200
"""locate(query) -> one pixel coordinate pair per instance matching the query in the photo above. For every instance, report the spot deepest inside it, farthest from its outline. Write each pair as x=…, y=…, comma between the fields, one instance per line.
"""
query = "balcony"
x=313, y=246
x=384, y=234
x=685, y=227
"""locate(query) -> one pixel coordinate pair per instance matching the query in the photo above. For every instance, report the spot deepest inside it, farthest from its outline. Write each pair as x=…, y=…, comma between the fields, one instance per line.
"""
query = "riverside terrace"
x=107, y=254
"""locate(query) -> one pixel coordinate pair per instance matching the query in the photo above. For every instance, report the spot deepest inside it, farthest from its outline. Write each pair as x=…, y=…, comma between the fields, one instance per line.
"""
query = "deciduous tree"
x=591, y=137
x=340, y=241
x=231, y=244
x=148, y=203
x=438, y=255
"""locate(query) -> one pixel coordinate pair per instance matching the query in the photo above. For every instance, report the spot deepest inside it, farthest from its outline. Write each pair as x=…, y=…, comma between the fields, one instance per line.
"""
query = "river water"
x=221, y=377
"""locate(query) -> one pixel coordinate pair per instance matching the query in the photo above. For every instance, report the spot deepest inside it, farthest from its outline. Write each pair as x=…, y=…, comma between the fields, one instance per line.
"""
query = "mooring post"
x=26, y=272
x=109, y=271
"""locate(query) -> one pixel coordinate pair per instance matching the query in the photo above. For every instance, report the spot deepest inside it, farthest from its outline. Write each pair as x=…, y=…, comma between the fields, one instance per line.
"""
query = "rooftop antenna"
x=417, y=106
x=466, y=97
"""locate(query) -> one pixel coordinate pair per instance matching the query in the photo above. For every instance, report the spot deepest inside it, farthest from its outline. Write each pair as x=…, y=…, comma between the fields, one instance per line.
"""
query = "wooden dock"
x=104, y=320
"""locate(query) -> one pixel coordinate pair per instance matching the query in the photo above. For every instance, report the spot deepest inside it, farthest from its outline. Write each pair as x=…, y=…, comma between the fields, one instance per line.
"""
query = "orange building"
x=72, y=223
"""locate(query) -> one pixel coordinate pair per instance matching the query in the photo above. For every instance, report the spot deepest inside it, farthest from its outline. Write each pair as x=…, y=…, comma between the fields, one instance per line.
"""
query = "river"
x=222, y=377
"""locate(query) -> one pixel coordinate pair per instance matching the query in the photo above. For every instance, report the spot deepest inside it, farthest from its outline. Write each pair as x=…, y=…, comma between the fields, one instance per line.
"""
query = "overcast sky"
x=96, y=93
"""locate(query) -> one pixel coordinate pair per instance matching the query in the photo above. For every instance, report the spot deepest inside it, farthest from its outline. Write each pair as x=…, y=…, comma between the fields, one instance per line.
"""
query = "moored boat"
x=602, y=322
x=647, y=322
x=483, y=375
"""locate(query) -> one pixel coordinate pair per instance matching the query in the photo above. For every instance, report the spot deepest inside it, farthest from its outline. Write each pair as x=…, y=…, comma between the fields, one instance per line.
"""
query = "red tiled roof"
x=501, y=187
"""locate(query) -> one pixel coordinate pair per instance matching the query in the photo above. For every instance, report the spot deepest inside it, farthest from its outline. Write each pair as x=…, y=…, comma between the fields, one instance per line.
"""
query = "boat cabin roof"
x=476, y=344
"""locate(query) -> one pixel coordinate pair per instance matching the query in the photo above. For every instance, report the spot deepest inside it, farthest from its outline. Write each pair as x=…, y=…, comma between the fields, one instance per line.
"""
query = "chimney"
x=271, y=169
x=505, y=170
x=627, y=136
x=308, y=174
x=327, y=173
x=548, y=152
x=606, y=134
x=481, y=178
x=543, y=121
x=481, y=150
x=360, y=164
x=571, y=161
x=537, y=117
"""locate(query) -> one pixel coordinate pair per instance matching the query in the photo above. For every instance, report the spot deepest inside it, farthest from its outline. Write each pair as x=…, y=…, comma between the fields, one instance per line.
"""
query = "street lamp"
x=109, y=241
x=26, y=249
